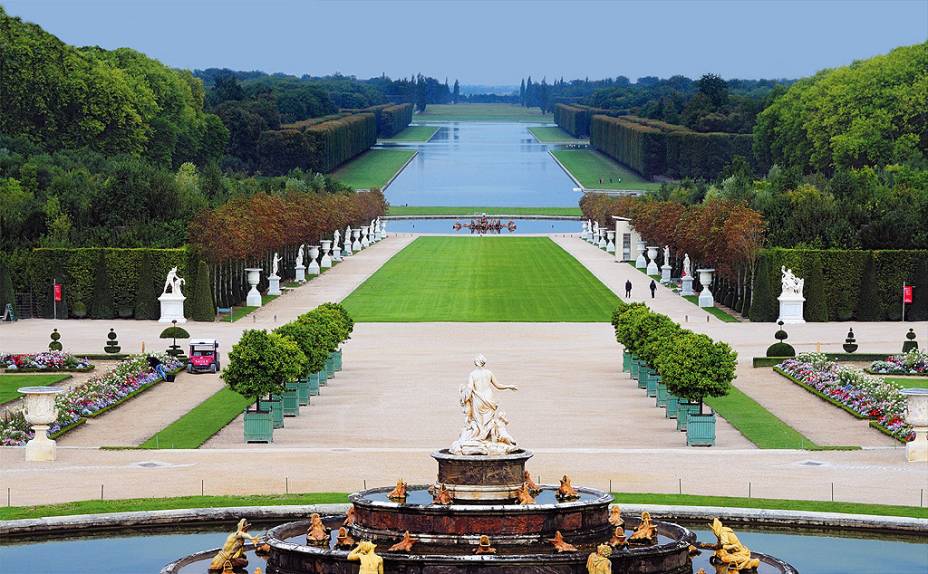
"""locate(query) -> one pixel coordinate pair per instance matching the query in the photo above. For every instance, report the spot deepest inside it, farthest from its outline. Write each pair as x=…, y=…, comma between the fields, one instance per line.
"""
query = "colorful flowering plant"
x=45, y=361
x=92, y=396
x=914, y=362
x=870, y=397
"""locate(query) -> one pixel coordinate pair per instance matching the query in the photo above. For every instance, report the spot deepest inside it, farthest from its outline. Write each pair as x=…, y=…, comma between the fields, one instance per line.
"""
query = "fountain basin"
x=495, y=478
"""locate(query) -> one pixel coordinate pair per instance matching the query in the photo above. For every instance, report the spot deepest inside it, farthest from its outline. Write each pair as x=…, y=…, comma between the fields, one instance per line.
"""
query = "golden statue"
x=404, y=545
x=370, y=562
x=441, y=495
x=560, y=545
x=398, y=494
x=316, y=534
x=232, y=555
x=646, y=533
x=344, y=540
x=566, y=491
x=598, y=562
x=618, y=537
x=532, y=487
x=349, y=516
x=729, y=551
x=258, y=570
x=615, y=517
x=484, y=546
x=524, y=496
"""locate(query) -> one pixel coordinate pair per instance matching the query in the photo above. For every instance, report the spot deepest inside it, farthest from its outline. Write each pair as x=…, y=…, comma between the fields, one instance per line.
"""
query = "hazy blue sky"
x=491, y=42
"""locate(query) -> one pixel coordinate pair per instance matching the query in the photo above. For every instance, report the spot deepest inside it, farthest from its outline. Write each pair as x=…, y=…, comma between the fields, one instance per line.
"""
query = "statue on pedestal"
x=485, y=423
x=173, y=282
x=729, y=551
x=275, y=262
x=299, y=256
x=666, y=255
x=792, y=285
x=687, y=272
x=232, y=554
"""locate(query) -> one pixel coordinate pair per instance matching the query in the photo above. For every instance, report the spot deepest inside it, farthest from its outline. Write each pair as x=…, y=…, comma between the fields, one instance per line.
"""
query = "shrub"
x=918, y=310
x=6, y=288
x=816, y=306
x=146, y=297
x=202, y=306
x=309, y=337
x=112, y=345
x=101, y=305
x=55, y=344
x=781, y=350
x=762, y=298
x=261, y=363
x=696, y=367
x=868, y=302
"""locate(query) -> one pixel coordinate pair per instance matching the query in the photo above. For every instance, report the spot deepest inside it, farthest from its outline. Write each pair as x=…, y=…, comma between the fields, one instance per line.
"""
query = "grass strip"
x=482, y=279
x=717, y=312
x=413, y=134
x=449, y=210
x=507, y=113
x=243, y=311
x=908, y=382
x=546, y=134
x=9, y=384
x=201, y=422
x=596, y=171
x=756, y=423
x=374, y=168
x=183, y=502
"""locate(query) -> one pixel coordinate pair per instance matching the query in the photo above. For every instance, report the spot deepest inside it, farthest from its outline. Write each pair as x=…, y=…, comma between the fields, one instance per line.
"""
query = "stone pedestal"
x=383, y=229
x=326, y=261
x=610, y=241
x=313, y=267
x=601, y=242
x=640, y=261
x=348, y=250
x=253, y=299
x=365, y=236
x=300, y=272
x=40, y=412
x=336, y=251
x=482, y=478
x=705, y=296
x=665, y=273
x=687, y=286
x=172, y=308
x=273, y=287
x=917, y=416
x=583, y=231
x=652, y=261
x=355, y=241
x=791, y=308
x=594, y=237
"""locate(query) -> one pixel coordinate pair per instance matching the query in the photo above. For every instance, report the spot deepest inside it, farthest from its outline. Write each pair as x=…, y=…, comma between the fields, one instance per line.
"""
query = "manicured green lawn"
x=149, y=504
x=589, y=166
x=243, y=311
x=9, y=383
x=482, y=279
x=414, y=134
x=552, y=135
x=756, y=423
x=481, y=113
x=374, y=168
x=441, y=210
x=908, y=382
x=201, y=422
x=719, y=313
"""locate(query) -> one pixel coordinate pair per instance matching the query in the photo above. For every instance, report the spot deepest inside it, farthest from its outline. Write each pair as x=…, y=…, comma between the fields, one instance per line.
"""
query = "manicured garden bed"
x=914, y=362
x=756, y=423
x=244, y=311
x=714, y=311
x=45, y=362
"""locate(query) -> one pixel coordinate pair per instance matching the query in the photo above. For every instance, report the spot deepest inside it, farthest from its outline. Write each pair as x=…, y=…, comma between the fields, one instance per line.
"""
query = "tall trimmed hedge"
x=846, y=281
x=575, y=118
x=316, y=145
x=394, y=119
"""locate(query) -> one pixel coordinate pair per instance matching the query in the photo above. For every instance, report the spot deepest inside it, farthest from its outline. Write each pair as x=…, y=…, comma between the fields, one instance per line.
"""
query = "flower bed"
x=914, y=362
x=856, y=392
x=47, y=361
x=92, y=398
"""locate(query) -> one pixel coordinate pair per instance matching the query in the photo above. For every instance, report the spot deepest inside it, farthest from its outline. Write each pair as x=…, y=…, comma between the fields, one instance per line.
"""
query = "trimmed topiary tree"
x=55, y=344
x=261, y=363
x=781, y=348
x=761, y=296
x=910, y=344
x=174, y=333
x=850, y=342
x=146, y=296
x=112, y=345
x=202, y=307
x=868, y=302
x=694, y=367
x=816, y=307
x=101, y=302
x=918, y=310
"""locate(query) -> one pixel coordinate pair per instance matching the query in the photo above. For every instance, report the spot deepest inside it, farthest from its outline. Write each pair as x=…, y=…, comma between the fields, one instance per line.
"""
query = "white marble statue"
x=275, y=262
x=687, y=272
x=792, y=285
x=299, y=256
x=172, y=283
x=485, y=423
x=666, y=255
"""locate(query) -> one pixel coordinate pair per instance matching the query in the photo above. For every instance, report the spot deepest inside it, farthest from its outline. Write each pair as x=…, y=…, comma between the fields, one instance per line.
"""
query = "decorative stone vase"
x=326, y=261
x=670, y=405
x=662, y=393
x=273, y=285
x=355, y=243
x=652, y=260
x=383, y=229
x=594, y=236
x=584, y=233
x=291, y=400
x=705, y=296
x=259, y=426
x=916, y=415
x=365, y=236
x=253, y=299
x=684, y=409
x=687, y=288
x=300, y=273
x=601, y=242
x=640, y=261
x=40, y=413
x=302, y=391
x=665, y=273
x=348, y=249
x=700, y=429
x=313, y=267
x=277, y=410
x=313, y=384
x=610, y=241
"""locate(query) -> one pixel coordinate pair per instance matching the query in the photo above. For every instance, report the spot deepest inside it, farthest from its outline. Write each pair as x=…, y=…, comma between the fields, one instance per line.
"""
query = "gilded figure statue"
x=566, y=491
x=618, y=537
x=485, y=431
x=398, y=494
x=615, y=517
x=646, y=532
x=532, y=487
x=729, y=551
x=524, y=495
x=404, y=545
x=441, y=495
x=349, y=516
x=232, y=554
x=317, y=534
x=560, y=545
x=344, y=540
x=364, y=553
x=598, y=562
x=483, y=547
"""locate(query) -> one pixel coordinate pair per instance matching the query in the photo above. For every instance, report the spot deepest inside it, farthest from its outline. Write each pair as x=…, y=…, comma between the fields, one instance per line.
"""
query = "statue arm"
x=354, y=555
x=496, y=384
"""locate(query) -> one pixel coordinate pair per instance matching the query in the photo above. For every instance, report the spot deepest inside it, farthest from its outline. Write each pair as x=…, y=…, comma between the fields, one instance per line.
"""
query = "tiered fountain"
x=483, y=514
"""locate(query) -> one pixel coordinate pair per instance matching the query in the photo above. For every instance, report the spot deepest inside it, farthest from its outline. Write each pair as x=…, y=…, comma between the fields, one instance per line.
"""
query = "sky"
x=491, y=42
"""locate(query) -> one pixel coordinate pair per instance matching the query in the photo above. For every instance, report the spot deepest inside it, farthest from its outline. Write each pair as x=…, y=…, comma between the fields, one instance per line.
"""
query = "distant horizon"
x=512, y=40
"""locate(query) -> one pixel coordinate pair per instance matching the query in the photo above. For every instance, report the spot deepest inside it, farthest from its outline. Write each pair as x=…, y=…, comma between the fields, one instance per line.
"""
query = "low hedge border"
x=913, y=375
x=758, y=362
x=67, y=429
x=820, y=394
x=9, y=371
x=876, y=425
x=125, y=399
x=108, y=357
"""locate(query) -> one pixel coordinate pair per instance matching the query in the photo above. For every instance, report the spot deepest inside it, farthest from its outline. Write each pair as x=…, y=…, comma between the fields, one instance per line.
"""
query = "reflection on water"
x=486, y=165
x=445, y=225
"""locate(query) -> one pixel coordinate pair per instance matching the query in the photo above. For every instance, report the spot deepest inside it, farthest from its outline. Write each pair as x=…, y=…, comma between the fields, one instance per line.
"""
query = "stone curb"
x=744, y=516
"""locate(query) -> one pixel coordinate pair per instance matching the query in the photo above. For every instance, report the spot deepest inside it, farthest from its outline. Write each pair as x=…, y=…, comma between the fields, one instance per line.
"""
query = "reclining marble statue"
x=485, y=431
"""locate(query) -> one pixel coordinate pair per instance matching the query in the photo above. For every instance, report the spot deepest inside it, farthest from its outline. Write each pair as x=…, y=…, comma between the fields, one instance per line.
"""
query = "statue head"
x=366, y=547
x=646, y=517
x=604, y=550
x=484, y=540
x=480, y=361
x=716, y=526
x=243, y=525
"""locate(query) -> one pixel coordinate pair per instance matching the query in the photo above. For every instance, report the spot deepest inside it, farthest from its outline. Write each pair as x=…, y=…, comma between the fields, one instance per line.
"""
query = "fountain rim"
x=602, y=497
x=446, y=454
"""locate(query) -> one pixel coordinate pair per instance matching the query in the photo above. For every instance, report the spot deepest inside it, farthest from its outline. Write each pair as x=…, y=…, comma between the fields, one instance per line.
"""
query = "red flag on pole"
x=907, y=294
x=57, y=292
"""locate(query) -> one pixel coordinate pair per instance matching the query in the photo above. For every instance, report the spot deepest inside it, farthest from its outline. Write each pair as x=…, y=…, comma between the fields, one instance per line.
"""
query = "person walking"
x=628, y=288
x=653, y=288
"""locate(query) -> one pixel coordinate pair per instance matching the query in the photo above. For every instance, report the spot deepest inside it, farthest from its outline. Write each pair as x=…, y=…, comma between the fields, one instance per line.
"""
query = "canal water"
x=445, y=225
x=486, y=165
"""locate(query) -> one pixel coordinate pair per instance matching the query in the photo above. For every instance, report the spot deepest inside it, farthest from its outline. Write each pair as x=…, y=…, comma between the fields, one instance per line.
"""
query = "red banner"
x=907, y=294
x=57, y=292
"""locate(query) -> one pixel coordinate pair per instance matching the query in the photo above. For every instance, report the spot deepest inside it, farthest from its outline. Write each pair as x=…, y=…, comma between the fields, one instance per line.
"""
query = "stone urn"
x=355, y=239
x=610, y=241
x=640, y=261
x=253, y=299
x=347, y=249
x=652, y=260
x=584, y=233
x=705, y=296
x=326, y=261
x=40, y=413
x=336, y=248
x=365, y=236
x=601, y=242
x=916, y=415
x=383, y=229
x=313, y=267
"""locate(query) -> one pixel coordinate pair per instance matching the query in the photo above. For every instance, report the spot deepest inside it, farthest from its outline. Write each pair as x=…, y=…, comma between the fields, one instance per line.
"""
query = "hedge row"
x=316, y=146
x=575, y=118
x=841, y=284
x=653, y=147
x=394, y=119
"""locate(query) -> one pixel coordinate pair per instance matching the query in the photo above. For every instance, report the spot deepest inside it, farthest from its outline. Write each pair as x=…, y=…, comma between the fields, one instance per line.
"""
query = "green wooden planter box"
x=700, y=429
x=277, y=409
x=626, y=361
x=291, y=400
x=671, y=406
x=651, y=383
x=338, y=360
x=330, y=366
x=661, y=393
x=323, y=378
x=683, y=410
x=634, y=367
x=259, y=426
x=314, y=385
x=302, y=391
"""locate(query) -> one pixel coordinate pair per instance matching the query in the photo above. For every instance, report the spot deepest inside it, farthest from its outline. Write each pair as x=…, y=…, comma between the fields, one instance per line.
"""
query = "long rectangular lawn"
x=589, y=167
x=482, y=279
x=373, y=168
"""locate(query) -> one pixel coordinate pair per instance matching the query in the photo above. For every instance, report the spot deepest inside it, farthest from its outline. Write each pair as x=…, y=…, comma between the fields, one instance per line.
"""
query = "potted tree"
x=306, y=336
x=346, y=327
x=630, y=332
x=329, y=332
x=694, y=368
x=259, y=365
x=658, y=329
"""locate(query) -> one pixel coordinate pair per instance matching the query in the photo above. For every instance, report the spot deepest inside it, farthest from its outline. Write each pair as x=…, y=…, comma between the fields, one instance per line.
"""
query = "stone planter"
x=643, y=371
x=355, y=243
x=651, y=383
x=259, y=426
x=634, y=368
x=302, y=391
x=323, y=377
x=330, y=366
x=661, y=393
x=683, y=410
x=253, y=299
x=326, y=261
x=917, y=416
x=313, y=384
x=313, y=267
x=670, y=406
x=627, y=359
x=610, y=241
x=640, y=261
x=40, y=412
x=706, y=298
x=277, y=410
x=291, y=400
x=700, y=429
